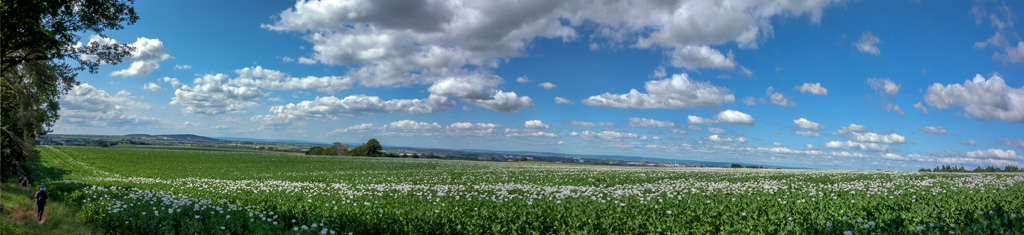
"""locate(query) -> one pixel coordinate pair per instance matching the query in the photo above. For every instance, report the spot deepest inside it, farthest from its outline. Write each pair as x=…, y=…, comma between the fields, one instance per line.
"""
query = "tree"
x=338, y=149
x=37, y=43
x=734, y=165
x=373, y=148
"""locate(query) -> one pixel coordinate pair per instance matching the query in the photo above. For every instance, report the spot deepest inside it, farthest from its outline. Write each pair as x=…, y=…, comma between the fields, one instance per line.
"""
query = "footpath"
x=18, y=215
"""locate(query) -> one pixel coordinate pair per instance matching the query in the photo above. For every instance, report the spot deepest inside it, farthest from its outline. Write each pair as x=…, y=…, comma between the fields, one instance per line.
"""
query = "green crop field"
x=149, y=191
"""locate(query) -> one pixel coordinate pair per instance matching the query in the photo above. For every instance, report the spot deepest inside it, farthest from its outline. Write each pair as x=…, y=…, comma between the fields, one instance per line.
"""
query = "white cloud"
x=208, y=95
x=333, y=108
x=85, y=105
x=807, y=134
x=672, y=93
x=536, y=124
x=695, y=57
x=699, y=120
x=287, y=59
x=1010, y=53
x=776, y=143
x=982, y=99
x=547, y=85
x=183, y=67
x=523, y=79
x=528, y=133
x=883, y=86
x=151, y=87
x=476, y=90
x=808, y=125
x=606, y=124
x=560, y=100
x=934, y=130
x=413, y=125
x=969, y=142
x=433, y=39
x=173, y=81
x=277, y=80
x=876, y=138
x=735, y=117
x=304, y=60
x=649, y=123
x=604, y=135
x=716, y=130
x=472, y=129
x=581, y=124
x=814, y=88
x=921, y=107
x=995, y=153
x=868, y=43
x=852, y=128
x=1018, y=143
x=850, y=145
x=693, y=128
x=716, y=138
x=779, y=98
x=147, y=57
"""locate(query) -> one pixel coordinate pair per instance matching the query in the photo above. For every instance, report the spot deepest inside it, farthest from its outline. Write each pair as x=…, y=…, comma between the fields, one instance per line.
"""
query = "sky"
x=825, y=84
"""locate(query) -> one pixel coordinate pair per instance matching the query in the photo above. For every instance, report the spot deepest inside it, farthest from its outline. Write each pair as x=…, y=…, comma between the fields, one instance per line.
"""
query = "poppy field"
x=172, y=191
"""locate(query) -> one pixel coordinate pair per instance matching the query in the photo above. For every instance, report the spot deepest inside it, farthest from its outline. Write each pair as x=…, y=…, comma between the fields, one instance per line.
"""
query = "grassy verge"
x=19, y=214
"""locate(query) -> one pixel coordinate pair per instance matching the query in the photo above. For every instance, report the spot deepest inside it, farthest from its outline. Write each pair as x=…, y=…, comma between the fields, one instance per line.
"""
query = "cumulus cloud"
x=185, y=66
x=868, y=43
x=883, y=86
x=560, y=100
x=581, y=124
x=536, y=124
x=147, y=57
x=969, y=142
x=333, y=108
x=173, y=81
x=606, y=124
x=722, y=139
x=671, y=93
x=807, y=134
x=779, y=98
x=209, y=95
x=803, y=123
x=151, y=87
x=472, y=129
x=258, y=77
x=716, y=130
x=477, y=90
x=85, y=105
x=876, y=138
x=608, y=135
x=851, y=145
x=528, y=133
x=814, y=88
x=749, y=100
x=995, y=153
x=649, y=123
x=694, y=57
x=735, y=117
x=432, y=39
x=851, y=128
x=982, y=99
x=1006, y=52
x=547, y=85
x=695, y=120
x=934, y=130
x=523, y=79
x=304, y=60
x=415, y=128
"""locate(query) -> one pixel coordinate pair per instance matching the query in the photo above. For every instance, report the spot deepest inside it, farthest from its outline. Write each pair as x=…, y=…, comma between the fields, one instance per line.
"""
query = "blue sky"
x=823, y=84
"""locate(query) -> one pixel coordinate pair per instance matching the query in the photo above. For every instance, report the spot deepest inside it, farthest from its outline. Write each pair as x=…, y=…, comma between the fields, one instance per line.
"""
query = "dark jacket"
x=41, y=197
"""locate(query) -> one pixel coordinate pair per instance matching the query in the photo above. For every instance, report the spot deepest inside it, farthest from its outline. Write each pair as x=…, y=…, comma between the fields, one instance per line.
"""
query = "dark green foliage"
x=948, y=168
x=36, y=38
x=734, y=165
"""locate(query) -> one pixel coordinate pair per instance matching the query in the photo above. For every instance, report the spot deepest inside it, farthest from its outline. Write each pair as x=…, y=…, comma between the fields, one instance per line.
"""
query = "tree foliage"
x=371, y=148
x=40, y=60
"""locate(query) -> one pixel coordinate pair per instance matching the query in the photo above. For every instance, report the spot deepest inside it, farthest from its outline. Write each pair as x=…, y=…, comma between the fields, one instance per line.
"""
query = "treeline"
x=371, y=148
x=948, y=168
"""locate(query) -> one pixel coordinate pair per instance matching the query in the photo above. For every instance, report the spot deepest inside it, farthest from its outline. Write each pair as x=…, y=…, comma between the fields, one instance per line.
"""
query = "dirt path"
x=19, y=215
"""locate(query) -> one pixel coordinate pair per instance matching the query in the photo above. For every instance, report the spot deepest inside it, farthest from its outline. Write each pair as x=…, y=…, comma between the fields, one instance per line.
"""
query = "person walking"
x=23, y=182
x=41, y=201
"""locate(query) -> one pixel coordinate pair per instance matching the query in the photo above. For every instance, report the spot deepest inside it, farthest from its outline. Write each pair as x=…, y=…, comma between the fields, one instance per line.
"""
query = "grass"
x=19, y=215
